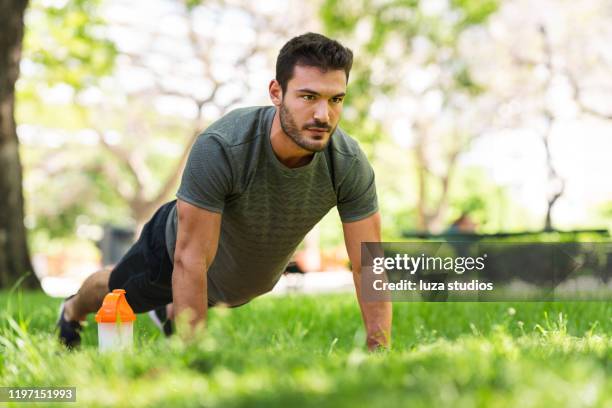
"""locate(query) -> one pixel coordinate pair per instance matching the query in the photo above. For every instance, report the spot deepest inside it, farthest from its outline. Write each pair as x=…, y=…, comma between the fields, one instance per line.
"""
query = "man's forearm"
x=189, y=293
x=377, y=318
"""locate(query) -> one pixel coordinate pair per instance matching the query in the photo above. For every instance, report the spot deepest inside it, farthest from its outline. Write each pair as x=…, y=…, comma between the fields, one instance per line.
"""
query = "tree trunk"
x=14, y=255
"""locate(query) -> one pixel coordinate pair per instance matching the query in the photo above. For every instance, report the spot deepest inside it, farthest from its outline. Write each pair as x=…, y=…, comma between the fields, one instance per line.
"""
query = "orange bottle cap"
x=115, y=308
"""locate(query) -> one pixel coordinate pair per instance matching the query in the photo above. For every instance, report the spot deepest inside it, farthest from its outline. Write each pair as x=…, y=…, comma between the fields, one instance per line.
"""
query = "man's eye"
x=308, y=97
x=337, y=100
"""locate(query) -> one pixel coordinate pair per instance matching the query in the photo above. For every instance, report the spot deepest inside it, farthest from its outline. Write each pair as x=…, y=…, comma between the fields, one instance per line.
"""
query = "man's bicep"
x=198, y=233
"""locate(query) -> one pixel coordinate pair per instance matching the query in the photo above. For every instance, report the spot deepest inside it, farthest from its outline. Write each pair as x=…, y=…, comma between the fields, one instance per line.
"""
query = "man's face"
x=311, y=106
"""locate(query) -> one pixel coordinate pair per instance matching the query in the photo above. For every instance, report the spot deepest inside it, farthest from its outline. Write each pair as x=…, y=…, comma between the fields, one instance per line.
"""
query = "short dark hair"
x=312, y=50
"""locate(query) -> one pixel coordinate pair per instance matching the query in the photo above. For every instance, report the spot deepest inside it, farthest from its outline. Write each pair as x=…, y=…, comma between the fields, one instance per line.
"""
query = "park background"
x=499, y=111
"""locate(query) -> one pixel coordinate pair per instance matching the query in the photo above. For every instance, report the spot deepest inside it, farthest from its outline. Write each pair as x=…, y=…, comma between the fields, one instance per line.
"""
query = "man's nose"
x=321, y=113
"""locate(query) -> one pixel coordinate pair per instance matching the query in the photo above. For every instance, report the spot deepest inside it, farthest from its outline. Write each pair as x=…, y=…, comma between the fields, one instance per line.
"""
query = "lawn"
x=301, y=351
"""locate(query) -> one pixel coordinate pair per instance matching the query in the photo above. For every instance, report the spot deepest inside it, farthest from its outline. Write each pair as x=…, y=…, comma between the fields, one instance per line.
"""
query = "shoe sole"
x=156, y=320
x=59, y=319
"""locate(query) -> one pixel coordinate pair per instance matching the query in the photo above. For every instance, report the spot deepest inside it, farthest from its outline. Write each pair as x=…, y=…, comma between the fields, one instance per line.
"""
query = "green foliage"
x=66, y=186
x=191, y=4
x=66, y=43
x=63, y=45
x=603, y=214
x=474, y=193
x=474, y=11
x=308, y=351
x=464, y=80
x=606, y=209
x=404, y=20
x=382, y=34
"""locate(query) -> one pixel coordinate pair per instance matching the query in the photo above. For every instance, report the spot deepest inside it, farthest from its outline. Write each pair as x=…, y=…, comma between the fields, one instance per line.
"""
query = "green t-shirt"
x=267, y=207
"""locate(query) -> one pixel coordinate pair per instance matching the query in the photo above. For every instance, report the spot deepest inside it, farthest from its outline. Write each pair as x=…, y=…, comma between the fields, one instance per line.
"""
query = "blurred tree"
x=563, y=52
x=195, y=69
x=410, y=49
x=14, y=254
x=211, y=88
x=64, y=43
x=64, y=49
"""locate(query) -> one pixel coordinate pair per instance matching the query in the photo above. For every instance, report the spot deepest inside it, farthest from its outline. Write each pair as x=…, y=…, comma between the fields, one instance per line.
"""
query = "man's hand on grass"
x=378, y=340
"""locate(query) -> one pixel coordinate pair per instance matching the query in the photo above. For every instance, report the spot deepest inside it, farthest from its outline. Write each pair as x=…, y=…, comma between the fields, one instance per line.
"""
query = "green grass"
x=308, y=351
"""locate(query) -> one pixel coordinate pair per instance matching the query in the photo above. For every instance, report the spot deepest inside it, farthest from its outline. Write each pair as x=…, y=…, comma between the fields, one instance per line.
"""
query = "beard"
x=291, y=129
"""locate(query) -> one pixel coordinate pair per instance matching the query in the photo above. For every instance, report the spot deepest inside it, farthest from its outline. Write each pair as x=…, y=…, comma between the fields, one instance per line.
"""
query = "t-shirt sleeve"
x=207, y=178
x=357, y=192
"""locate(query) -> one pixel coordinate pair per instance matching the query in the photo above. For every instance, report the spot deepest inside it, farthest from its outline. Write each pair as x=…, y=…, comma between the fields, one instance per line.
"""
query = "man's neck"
x=285, y=149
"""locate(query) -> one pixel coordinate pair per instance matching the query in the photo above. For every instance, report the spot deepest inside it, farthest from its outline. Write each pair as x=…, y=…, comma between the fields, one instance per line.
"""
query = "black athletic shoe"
x=160, y=318
x=69, y=331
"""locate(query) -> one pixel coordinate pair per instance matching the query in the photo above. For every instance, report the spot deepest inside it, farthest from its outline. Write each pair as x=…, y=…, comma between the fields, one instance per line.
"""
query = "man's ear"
x=276, y=92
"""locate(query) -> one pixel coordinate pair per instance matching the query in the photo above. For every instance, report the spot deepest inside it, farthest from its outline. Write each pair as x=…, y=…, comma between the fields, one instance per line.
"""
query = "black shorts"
x=145, y=271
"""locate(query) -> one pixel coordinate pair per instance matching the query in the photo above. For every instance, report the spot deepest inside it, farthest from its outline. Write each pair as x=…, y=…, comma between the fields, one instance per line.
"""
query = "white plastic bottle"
x=115, y=322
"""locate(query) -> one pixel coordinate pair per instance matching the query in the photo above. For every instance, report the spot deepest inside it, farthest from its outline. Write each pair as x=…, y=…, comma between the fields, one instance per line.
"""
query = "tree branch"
x=577, y=97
